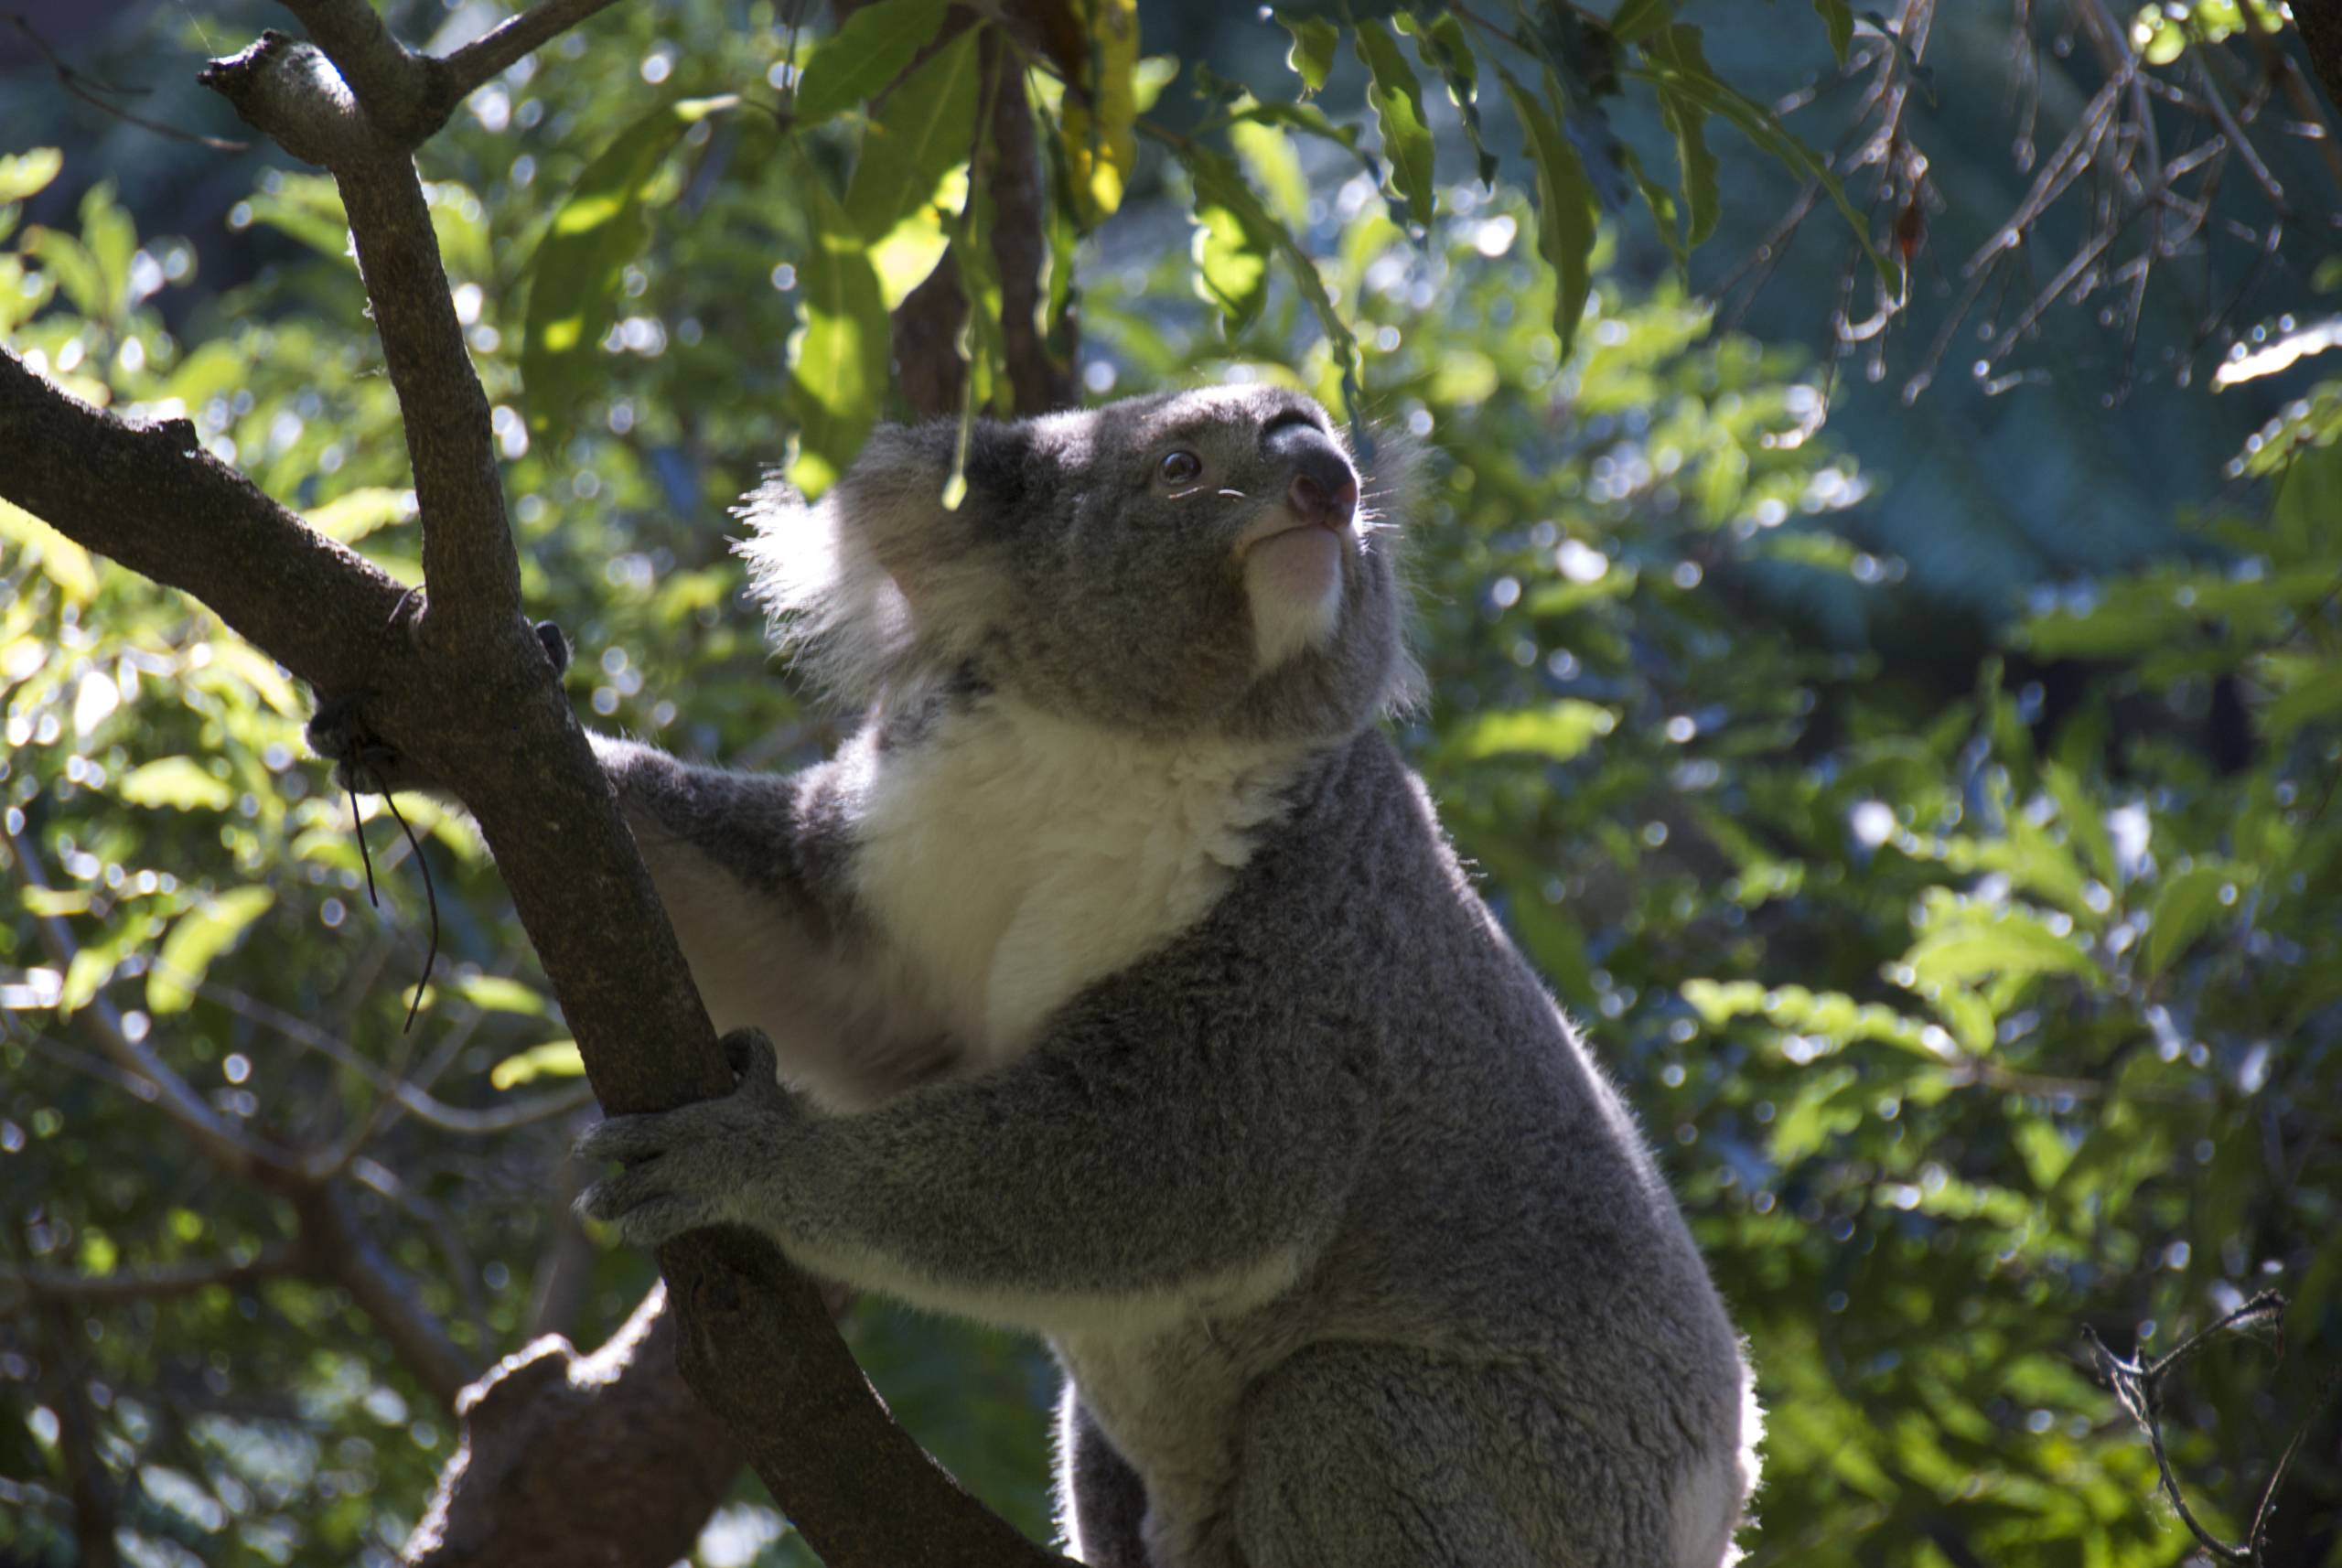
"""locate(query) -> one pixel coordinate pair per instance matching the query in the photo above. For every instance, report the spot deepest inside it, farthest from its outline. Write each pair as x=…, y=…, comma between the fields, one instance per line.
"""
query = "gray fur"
x=1351, y=1254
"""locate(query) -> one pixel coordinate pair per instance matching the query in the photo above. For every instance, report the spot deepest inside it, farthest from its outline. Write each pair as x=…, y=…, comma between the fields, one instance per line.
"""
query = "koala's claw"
x=687, y=1168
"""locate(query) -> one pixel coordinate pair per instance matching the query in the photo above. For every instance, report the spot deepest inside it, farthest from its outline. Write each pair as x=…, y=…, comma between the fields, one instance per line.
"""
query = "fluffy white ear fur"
x=871, y=585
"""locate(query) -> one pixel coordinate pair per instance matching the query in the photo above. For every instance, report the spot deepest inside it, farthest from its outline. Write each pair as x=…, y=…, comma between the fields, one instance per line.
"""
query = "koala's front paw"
x=699, y=1165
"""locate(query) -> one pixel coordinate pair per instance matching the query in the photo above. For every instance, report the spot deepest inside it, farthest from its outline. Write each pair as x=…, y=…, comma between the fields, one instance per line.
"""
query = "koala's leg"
x=1102, y=1503
x=1374, y=1456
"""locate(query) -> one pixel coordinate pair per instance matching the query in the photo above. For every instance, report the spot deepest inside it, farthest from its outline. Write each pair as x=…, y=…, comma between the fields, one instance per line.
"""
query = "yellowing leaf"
x=554, y=1059
x=498, y=995
x=176, y=781
x=27, y=173
x=1101, y=130
x=197, y=936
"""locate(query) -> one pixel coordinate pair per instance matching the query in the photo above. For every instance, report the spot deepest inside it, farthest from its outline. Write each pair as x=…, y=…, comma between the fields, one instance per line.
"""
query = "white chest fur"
x=1012, y=858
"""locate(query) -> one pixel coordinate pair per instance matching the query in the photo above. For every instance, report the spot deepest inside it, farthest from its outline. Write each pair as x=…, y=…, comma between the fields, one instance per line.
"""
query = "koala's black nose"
x=1323, y=490
x=1325, y=499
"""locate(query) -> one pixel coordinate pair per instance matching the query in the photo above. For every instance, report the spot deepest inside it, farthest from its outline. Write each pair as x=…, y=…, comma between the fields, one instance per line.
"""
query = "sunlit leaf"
x=1441, y=44
x=911, y=178
x=554, y=1059
x=1566, y=209
x=27, y=173
x=840, y=358
x=1557, y=731
x=180, y=782
x=73, y=569
x=1398, y=100
x=197, y=936
x=1315, y=39
x=1100, y=134
x=574, y=276
x=2012, y=943
x=354, y=514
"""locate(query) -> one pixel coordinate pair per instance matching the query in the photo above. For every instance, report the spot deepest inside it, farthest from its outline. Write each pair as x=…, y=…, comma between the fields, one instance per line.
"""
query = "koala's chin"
x=1293, y=578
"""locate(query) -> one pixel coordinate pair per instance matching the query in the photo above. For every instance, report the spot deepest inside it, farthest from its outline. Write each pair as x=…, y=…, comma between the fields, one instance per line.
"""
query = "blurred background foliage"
x=1921, y=784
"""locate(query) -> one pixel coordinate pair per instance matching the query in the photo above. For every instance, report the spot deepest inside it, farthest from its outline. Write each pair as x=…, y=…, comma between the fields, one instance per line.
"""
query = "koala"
x=1116, y=981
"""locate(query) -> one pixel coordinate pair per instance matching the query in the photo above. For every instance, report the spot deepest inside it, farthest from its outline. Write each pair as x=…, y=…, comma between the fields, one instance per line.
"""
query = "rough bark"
x=2320, y=24
x=642, y=1460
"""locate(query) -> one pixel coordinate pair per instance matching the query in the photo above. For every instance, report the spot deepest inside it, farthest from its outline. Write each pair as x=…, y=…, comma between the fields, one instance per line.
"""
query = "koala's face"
x=1198, y=563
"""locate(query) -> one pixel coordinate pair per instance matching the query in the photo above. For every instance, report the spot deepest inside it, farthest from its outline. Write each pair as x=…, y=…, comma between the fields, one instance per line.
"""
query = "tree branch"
x=149, y=1284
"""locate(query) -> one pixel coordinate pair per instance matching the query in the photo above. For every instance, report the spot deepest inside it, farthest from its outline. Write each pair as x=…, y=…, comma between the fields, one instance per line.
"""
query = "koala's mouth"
x=1277, y=524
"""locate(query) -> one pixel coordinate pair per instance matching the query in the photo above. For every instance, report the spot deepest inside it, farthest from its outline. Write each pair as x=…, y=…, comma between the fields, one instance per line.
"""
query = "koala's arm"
x=1154, y=1149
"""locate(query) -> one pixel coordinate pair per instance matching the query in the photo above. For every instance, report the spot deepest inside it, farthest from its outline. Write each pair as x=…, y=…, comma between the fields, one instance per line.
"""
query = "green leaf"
x=355, y=514
x=1686, y=121
x=839, y=358
x=1312, y=56
x=1442, y=47
x=1566, y=207
x=1268, y=156
x=307, y=207
x=1234, y=237
x=575, y=276
x=27, y=173
x=1398, y=100
x=2013, y=944
x=1558, y=731
x=1838, y=16
x=176, y=781
x=2188, y=901
x=1217, y=180
x=912, y=175
x=2314, y=695
x=554, y=1059
x=112, y=239
x=2085, y=824
x=1668, y=68
x=69, y=264
x=1638, y=19
x=1306, y=118
x=196, y=938
x=857, y=62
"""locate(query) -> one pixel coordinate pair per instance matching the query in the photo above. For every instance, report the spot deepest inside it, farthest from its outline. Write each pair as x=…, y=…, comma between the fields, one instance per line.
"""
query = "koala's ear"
x=879, y=576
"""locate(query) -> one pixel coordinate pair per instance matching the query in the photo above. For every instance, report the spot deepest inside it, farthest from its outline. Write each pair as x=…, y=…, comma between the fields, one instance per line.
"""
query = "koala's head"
x=1199, y=563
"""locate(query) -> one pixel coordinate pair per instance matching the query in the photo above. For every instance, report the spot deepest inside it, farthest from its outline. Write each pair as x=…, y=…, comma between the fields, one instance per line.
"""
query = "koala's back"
x=1508, y=1261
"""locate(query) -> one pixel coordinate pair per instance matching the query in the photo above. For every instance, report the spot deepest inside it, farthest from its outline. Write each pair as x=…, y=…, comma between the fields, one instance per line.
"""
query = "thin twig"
x=91, y=91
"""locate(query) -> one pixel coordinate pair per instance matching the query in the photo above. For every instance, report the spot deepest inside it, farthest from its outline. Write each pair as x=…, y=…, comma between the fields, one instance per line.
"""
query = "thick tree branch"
x=2320, y=24
x=278, y=85
x=642, y=1461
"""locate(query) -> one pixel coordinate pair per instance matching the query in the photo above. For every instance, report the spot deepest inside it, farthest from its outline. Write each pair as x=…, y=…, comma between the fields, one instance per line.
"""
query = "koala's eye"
x=1181, y=467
